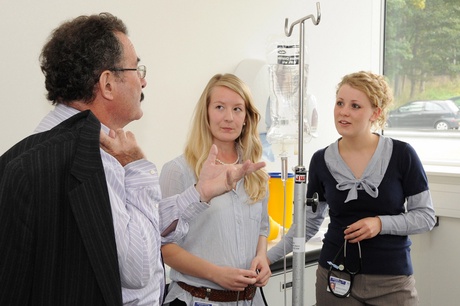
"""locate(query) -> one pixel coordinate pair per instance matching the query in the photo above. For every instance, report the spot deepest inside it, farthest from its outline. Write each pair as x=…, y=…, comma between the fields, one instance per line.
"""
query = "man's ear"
x=106, y=84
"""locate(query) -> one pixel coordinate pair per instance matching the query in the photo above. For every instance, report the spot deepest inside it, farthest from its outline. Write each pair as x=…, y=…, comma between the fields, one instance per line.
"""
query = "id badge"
x=204, y=303
x=339, y=286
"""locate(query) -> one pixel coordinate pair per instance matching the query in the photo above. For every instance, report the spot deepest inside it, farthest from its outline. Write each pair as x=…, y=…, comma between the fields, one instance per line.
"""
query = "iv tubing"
x=284, y=175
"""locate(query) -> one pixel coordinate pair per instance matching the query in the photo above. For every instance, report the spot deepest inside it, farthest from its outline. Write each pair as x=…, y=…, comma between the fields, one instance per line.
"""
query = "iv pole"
x=298, y=259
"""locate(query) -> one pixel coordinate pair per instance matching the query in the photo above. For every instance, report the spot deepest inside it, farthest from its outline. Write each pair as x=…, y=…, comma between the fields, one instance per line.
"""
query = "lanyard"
x=341, y=286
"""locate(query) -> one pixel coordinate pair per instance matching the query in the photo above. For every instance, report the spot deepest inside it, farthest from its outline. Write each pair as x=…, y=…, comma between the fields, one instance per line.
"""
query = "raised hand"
x=121, y=145
x=216, y=179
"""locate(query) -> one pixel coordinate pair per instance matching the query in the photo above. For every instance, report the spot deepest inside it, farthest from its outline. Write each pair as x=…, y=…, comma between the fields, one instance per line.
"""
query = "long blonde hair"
x=199, y=139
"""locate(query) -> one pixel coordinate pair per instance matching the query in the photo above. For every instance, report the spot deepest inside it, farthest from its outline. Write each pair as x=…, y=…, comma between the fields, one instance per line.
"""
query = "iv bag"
x=284, y=76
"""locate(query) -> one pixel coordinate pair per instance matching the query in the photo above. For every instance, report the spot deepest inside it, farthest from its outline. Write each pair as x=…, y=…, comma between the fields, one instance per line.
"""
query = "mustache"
x=142, y=96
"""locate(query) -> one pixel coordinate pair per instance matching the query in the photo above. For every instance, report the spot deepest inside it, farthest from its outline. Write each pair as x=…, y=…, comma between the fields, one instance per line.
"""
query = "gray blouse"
x=225, y=232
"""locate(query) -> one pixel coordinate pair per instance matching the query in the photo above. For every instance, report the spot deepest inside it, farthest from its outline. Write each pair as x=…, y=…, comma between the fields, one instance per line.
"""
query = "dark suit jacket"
x=57, y=243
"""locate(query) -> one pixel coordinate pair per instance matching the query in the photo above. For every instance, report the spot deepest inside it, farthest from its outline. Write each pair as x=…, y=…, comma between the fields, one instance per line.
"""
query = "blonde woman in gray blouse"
x=220, y=248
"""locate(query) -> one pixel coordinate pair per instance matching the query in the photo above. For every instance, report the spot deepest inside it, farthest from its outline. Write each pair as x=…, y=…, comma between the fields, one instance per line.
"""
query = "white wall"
x=435, y=254
x=183, y=43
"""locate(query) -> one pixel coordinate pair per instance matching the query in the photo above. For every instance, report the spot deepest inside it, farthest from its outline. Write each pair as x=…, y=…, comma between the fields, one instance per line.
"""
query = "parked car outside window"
x=456, y=100
x=432, y=114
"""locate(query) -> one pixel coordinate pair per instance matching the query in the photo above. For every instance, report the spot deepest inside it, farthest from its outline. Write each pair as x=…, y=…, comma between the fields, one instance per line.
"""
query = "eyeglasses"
x=340, y=277
x=141, y=70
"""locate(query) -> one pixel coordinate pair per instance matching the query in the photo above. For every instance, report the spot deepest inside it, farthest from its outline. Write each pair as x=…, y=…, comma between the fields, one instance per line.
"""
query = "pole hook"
x=315, y=20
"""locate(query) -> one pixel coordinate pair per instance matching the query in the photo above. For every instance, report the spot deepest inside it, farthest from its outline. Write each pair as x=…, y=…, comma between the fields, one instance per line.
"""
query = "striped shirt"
x=226, y=232
x=135, y=196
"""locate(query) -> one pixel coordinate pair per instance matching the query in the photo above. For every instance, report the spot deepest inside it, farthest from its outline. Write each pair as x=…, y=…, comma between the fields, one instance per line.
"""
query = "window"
x=422, y=63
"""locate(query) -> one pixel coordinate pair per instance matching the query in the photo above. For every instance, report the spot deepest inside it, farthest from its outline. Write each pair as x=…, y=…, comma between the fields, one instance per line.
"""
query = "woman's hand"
x=262, y=266
x=234, y=279
x=363, y=229
x=187, y=263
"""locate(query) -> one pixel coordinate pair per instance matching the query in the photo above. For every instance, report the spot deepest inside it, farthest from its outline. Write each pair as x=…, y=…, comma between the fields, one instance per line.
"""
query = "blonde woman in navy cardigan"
x=364, y=180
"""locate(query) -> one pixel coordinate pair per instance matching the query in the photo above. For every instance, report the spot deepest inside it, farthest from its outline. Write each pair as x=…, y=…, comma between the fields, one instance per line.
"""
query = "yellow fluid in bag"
x=276, y=202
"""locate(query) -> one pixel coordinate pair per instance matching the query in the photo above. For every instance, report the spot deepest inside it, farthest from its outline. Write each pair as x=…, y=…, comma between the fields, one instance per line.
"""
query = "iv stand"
x=298, y=259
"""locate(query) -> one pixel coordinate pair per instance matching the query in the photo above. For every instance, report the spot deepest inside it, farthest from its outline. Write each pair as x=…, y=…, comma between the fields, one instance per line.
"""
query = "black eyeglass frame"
x=141, y=70
x=342, y=268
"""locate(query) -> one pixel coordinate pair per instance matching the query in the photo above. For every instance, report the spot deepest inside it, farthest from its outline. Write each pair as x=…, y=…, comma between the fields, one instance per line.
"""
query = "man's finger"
x=249, y=167
x=257, y=166
x=104, y=139
x=112, y=133
x=120, y=133
x=212, y=154
x=230, y=181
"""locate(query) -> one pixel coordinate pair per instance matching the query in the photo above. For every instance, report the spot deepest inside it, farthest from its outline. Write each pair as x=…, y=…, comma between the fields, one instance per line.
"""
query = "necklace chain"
x=222, y=163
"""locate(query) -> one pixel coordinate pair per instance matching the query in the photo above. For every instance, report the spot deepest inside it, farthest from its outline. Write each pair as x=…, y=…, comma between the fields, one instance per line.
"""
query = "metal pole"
x=300, y=187
x=298, y=259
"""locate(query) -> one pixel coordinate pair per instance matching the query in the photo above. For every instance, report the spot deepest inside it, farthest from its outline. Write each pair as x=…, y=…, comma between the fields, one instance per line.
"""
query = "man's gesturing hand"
x=216, y=179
